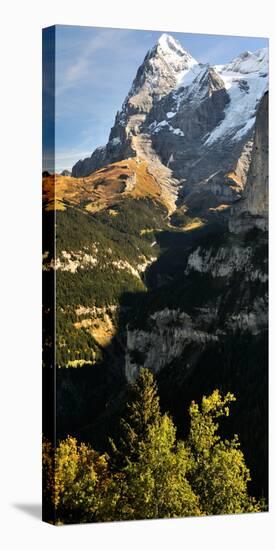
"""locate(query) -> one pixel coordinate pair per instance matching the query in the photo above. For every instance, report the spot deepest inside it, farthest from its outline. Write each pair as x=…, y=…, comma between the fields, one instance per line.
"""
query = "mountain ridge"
x=195, y=120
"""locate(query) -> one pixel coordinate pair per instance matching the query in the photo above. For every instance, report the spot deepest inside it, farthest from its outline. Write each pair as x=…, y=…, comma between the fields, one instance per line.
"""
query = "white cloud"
x=74, y=154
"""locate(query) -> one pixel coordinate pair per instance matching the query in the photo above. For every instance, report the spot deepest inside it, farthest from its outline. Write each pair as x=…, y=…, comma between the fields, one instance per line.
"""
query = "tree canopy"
x=149, y=473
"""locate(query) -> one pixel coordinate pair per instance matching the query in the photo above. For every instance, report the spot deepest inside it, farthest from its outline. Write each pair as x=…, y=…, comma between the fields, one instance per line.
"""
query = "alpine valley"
x=161, y=252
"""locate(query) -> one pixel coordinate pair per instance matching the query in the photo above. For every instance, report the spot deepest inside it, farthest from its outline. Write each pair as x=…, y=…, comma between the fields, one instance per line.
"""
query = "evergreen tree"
x=142, y=412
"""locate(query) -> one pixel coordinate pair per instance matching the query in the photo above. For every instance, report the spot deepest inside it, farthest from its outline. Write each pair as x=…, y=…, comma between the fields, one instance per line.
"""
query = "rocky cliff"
x=252, y=209
x=222, y=292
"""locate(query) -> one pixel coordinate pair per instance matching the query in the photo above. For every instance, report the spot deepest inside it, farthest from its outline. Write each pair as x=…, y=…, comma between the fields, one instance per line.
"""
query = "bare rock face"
x=252, y=209
x=171, y=332
x=243, y=162
x=90, y=164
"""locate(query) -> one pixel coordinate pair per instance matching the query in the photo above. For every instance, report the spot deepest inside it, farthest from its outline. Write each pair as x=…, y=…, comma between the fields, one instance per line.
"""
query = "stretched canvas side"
x=48, y=276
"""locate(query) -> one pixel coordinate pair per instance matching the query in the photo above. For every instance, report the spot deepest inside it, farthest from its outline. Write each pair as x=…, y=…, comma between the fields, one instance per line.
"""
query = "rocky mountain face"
x=159, y=73
x=252, y=209
x=191, y=122
x=226, y=259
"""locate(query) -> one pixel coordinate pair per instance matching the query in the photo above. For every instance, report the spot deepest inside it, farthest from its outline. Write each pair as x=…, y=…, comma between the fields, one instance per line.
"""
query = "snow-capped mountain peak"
x=249, y=62
x=189, y=121
x=178, y=58
x=168, y=44
x=162, y=70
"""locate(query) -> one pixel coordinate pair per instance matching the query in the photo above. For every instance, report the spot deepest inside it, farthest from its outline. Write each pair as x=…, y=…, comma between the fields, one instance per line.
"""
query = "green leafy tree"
x=77, y=480
x=155, y=485
x=218, y=473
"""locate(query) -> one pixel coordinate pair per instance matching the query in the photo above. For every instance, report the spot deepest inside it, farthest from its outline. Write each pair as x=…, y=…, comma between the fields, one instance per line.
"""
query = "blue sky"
x=94, y=71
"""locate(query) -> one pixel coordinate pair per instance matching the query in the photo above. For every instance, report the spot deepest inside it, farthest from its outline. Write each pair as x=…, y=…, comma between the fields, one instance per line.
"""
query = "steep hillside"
x=104, y=244
x=135, y=178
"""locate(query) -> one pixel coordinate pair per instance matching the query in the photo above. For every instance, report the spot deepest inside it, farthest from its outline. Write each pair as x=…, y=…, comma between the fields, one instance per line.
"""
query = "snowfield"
x=246, y=81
